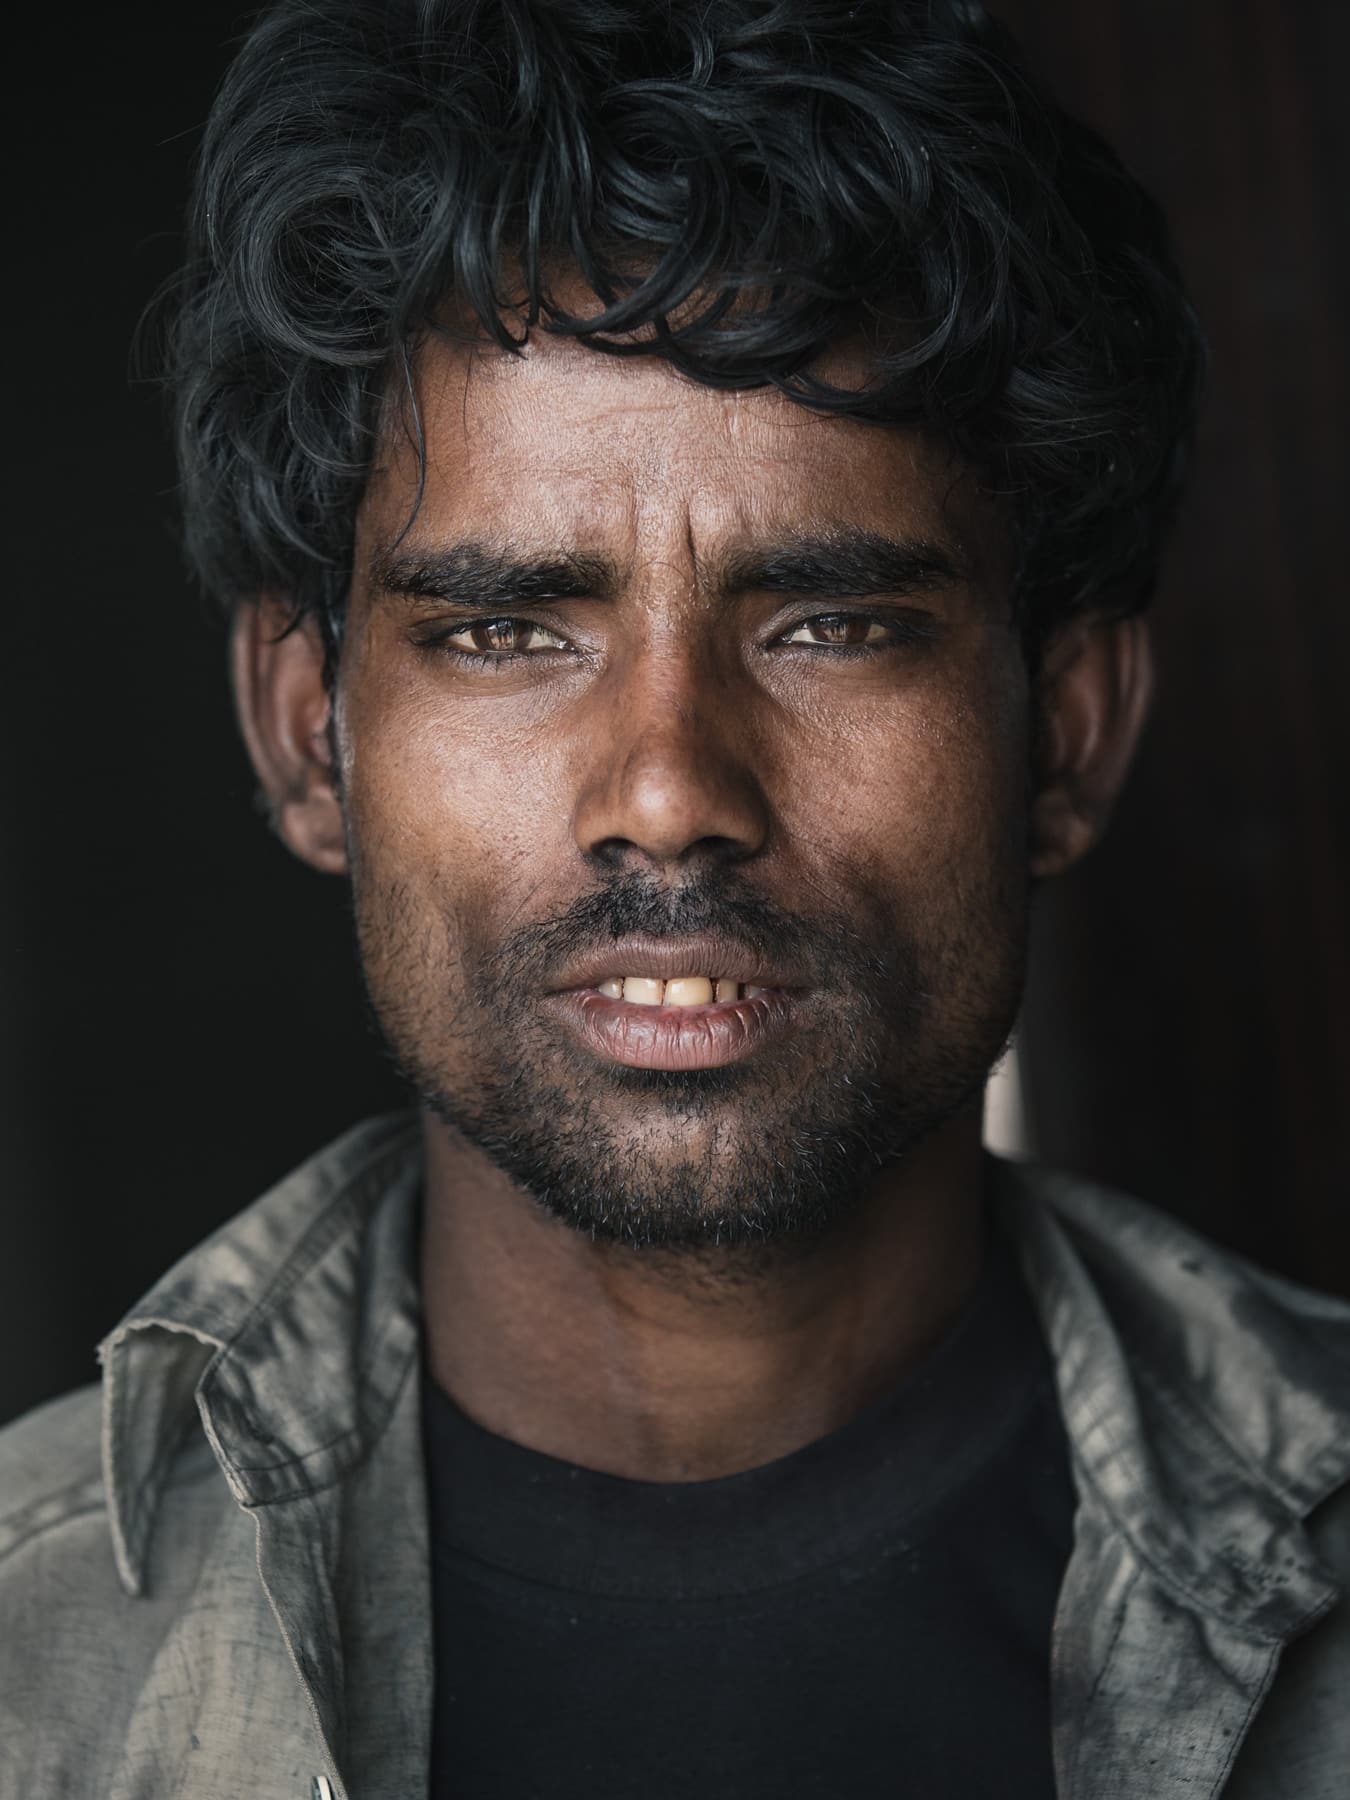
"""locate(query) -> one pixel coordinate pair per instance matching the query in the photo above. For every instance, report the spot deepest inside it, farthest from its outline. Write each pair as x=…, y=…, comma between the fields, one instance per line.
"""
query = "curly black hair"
x=741, y=183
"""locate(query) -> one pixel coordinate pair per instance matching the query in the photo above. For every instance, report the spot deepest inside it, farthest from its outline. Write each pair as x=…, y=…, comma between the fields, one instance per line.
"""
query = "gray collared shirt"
x=225, y=1593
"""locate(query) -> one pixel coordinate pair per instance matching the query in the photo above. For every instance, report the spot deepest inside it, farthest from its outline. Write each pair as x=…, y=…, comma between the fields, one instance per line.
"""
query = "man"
x=685, y=481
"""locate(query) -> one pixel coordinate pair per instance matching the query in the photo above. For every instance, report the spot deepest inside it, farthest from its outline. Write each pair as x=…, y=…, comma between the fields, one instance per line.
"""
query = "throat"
x=676, y=1368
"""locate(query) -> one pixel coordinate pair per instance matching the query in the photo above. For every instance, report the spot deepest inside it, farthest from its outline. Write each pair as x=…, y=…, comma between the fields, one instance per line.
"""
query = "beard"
x=894, y=1038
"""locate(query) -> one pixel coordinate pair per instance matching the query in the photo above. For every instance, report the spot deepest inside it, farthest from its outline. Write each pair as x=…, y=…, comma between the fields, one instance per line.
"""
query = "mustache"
x=826, y=945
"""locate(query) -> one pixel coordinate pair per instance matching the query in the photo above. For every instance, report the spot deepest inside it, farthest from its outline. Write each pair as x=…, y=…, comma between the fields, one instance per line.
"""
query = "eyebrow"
x=476, y=576
x=844, y=563
x=848, y=563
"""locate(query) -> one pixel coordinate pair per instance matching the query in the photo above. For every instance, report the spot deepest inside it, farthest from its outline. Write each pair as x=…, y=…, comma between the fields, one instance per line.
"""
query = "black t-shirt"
x=868, y=1616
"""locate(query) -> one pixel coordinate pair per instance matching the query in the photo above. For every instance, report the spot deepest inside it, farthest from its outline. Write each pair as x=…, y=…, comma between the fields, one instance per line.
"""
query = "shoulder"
x=58, y=1592
x=1229, y=1372
x=51, y=1471
x=58, y=1571
x=1150, y=1268
x=1299, y=1744
x=1210, y=1399
x=76, y=1647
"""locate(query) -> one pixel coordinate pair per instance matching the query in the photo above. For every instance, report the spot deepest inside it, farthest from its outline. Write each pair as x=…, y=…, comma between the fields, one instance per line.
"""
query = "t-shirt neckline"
x=886, y=1473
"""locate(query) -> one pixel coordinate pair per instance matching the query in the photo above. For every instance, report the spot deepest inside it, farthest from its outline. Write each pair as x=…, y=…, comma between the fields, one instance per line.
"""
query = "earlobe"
x=284, y=709
x=1094, y=689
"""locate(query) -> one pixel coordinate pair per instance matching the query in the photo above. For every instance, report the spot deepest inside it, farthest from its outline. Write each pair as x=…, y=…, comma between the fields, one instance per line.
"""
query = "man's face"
x=764, y=722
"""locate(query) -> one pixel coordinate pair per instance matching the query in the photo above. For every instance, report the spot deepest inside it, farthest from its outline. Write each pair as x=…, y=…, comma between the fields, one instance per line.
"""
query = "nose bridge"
x=672, y=764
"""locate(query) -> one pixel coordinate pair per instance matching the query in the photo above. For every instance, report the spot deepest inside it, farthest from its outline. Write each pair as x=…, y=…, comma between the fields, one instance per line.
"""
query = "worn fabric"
x=226, y=1592
x=869, y=1616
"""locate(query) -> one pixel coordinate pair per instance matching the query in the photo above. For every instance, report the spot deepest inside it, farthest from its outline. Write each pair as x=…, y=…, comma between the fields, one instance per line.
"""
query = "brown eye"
x=496, y=639
x=837, y=629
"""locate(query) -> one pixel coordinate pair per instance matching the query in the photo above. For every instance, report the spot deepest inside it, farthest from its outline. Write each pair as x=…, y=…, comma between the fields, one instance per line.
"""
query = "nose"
x=671, y=777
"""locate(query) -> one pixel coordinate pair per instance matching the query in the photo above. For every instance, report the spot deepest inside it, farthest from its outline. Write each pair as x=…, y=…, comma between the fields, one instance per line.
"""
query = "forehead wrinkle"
x=591, y=479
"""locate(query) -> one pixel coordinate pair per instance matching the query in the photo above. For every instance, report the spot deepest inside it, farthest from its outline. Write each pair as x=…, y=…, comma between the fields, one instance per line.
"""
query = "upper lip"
x=663, y=959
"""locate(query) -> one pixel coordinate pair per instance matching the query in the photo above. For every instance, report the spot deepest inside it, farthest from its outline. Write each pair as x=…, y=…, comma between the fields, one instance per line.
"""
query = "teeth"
x=639, y=991
x=689, y=990
x=681, y=990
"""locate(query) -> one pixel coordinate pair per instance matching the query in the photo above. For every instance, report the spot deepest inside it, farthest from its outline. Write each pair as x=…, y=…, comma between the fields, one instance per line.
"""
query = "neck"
x=670, y=1368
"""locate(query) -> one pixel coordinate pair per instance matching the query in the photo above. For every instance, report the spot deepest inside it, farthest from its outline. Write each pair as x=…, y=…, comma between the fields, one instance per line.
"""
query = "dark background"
x=179, y=1015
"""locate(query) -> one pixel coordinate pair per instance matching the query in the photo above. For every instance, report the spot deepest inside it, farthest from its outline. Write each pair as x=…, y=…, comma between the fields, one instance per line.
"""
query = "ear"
x=284, y=707
x=1094, y=689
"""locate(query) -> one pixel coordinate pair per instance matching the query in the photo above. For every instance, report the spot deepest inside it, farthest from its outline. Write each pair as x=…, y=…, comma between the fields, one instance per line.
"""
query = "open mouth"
x=681, y=991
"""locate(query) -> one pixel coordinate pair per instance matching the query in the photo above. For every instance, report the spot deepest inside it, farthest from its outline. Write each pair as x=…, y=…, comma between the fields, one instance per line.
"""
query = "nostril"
x=672, y=810
x=617, y=855
x=611, y=853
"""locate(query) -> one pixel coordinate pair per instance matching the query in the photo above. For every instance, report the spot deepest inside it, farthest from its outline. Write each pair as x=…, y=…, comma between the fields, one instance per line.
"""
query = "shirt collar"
x=1207, y=1403
x=290, y=1329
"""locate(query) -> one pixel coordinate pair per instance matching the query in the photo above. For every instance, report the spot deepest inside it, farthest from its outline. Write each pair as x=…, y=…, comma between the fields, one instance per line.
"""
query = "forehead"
x=567, y=446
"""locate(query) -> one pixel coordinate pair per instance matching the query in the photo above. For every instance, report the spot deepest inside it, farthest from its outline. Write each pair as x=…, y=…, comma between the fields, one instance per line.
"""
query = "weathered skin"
x=885, y=801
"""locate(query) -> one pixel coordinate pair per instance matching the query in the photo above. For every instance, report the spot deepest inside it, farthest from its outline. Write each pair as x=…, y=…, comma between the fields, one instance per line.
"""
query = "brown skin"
x=677, y=737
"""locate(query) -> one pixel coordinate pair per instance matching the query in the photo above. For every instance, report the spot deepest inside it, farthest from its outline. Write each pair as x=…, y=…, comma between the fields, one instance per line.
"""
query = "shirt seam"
x=337, y=1214
x=1172, y=1584
x=313, y=1489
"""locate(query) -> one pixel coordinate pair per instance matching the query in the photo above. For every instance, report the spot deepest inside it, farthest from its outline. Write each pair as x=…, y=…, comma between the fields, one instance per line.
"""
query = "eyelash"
x=902, y=632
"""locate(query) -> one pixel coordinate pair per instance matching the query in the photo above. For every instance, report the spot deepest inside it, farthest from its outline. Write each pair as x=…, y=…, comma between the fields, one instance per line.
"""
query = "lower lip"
x=674, y=1037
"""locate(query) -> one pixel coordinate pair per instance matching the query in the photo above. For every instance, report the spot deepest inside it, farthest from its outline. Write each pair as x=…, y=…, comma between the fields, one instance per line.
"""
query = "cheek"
x=447, y=805
x=922, y=797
